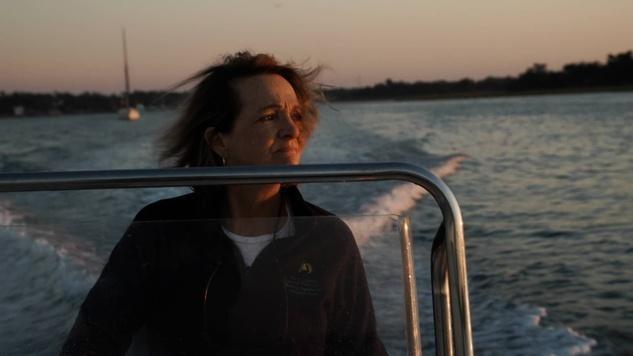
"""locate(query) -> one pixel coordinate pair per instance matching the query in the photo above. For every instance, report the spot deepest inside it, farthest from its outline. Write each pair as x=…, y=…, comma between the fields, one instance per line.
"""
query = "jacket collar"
x=209, y=206
x=209, y=203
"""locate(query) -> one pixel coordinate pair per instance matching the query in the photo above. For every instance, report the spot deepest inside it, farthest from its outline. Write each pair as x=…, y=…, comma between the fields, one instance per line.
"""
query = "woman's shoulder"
x=328, y=228
x=315, y=210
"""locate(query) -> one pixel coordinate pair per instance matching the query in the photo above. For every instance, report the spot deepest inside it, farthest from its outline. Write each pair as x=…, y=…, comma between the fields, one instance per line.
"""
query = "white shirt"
x=251, y=246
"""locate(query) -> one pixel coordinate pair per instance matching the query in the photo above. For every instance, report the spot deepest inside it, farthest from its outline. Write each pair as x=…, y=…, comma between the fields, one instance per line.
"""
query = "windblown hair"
x=214, y=102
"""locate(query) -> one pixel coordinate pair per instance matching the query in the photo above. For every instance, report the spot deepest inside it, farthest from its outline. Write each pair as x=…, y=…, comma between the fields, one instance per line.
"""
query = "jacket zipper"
x=216, y=267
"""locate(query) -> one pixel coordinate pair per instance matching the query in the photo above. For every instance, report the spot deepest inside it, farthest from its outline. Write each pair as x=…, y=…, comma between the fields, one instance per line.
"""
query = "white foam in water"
x=399, y=200
x=500, y=328
x=7, y=216
x=62, y=246
x=41, y=293
x=585, y=343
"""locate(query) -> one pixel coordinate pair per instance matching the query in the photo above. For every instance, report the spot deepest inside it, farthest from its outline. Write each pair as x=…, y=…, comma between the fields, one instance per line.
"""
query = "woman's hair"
x=215, y=103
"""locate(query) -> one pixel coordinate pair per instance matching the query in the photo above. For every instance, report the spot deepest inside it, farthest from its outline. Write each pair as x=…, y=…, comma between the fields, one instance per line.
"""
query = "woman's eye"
x=267, y=117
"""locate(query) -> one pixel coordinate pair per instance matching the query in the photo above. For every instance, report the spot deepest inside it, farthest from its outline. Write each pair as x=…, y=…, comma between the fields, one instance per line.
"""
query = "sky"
x=75, y=45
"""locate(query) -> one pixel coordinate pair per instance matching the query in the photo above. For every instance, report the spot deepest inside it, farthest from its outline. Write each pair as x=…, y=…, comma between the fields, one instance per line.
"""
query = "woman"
x=237, y=269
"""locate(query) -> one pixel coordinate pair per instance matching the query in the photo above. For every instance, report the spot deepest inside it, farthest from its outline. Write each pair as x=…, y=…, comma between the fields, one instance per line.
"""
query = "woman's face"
x=270, y=128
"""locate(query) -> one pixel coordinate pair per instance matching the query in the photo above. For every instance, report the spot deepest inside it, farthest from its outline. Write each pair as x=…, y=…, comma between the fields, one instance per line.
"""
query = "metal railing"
x=451, y=306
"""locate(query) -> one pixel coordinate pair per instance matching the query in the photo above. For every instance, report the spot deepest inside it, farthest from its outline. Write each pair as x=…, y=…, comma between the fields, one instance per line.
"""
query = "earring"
x=223, y=161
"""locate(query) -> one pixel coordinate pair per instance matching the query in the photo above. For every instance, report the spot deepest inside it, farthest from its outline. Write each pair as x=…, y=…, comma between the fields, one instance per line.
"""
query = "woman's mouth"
x=286, y=149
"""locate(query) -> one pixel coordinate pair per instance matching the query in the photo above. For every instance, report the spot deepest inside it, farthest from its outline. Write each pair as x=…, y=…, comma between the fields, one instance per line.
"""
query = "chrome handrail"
x=449, y=275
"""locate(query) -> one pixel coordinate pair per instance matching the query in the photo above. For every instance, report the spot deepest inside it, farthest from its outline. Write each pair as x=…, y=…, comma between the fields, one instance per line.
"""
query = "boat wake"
x=398, y=201
x=499, y=327
x=42, y=287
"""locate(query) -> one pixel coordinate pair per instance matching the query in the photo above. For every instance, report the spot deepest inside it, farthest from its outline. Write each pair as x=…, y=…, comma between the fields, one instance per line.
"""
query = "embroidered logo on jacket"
x=305, y=268
x=302, y=283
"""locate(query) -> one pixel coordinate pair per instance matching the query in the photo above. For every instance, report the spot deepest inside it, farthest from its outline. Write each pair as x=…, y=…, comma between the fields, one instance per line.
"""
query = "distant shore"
x=486, y=95
x=426, y=97
x=614, y=75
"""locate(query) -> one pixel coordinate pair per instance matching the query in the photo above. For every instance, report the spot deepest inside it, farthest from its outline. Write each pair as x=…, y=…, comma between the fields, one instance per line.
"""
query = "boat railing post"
x=414, y=338
x=441, y=298
x=451, y=303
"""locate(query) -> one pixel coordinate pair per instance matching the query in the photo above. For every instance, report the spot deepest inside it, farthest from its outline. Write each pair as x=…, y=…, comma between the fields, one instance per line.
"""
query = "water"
x=545, y=184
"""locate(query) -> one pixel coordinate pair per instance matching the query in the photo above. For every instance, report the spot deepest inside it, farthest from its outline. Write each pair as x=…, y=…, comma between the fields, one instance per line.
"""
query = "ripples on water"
x=546, y=191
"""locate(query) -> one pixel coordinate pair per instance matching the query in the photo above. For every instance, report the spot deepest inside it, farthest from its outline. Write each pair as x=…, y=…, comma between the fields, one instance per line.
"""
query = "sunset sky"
x=75, y=45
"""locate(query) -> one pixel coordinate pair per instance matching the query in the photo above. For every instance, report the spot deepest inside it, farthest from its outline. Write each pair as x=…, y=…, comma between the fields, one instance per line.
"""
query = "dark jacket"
x=178, y=276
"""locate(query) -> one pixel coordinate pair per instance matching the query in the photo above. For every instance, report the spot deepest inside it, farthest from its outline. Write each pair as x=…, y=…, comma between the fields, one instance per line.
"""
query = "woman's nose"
x=289, y=127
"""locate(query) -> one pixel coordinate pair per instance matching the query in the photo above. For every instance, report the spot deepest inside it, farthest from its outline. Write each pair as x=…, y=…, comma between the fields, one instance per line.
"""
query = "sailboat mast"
x=127, y=112
x=126, y=95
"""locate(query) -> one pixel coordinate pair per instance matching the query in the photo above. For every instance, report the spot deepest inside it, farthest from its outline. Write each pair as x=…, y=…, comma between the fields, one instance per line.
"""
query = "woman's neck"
x=253, y=209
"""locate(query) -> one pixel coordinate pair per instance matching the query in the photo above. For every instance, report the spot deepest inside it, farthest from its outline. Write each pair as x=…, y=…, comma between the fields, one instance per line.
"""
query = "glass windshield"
x=291, y=283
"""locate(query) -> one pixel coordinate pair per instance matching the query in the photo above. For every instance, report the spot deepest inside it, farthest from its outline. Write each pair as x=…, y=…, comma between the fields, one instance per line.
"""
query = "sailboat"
x=127, y=112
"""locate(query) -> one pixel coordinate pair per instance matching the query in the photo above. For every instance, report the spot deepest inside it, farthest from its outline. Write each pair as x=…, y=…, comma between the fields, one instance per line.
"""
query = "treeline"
x=616, y=73
x=33, y=104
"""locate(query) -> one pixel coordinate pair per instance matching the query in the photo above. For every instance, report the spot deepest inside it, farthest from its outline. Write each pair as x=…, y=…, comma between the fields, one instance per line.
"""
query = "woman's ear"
x=215, y=141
